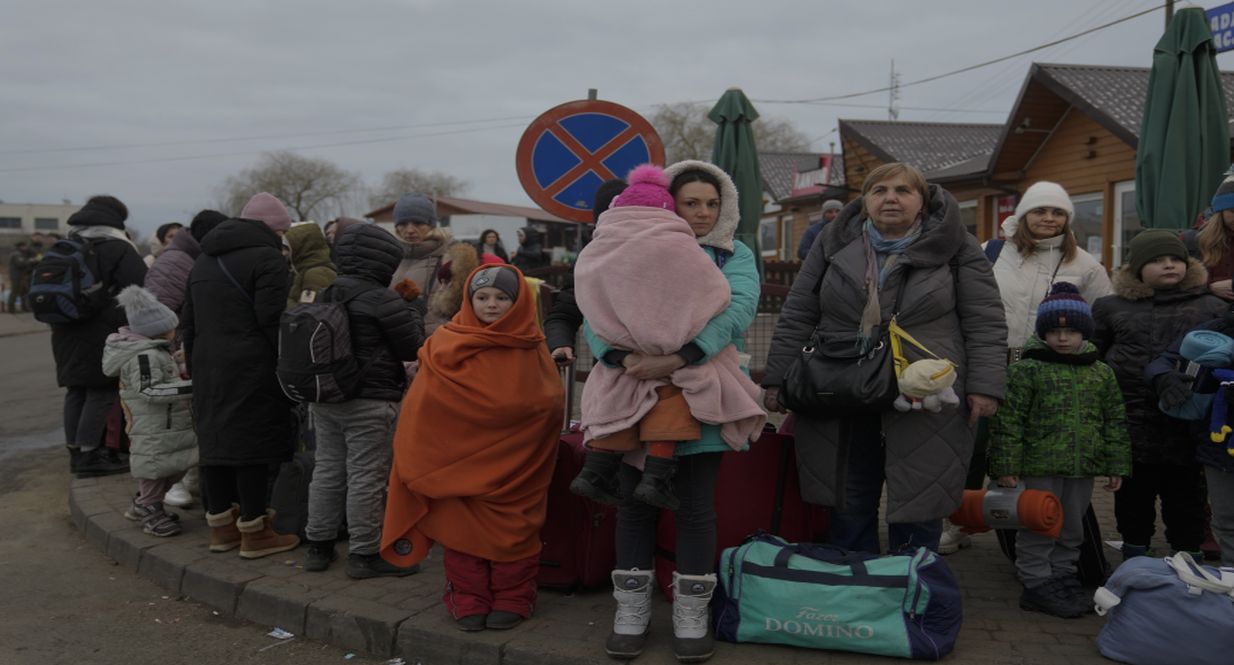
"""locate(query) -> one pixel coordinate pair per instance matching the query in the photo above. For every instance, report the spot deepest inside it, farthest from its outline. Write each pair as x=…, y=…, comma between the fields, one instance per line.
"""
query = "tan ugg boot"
x=258, y=539
x=224, y=535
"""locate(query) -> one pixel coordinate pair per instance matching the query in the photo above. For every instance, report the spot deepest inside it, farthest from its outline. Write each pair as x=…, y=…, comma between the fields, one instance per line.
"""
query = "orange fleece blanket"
x=1038, y=511
x=476, y=440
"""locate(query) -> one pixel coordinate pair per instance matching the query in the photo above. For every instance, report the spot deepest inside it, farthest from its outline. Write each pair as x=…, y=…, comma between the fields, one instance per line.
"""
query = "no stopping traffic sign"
x=567, y=152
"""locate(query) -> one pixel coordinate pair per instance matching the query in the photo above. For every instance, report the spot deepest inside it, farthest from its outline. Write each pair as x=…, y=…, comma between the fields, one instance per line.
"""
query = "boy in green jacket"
x=1062, y=424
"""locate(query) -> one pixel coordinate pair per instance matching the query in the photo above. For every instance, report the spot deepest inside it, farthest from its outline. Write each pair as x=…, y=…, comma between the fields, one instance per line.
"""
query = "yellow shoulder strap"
x=898, y=336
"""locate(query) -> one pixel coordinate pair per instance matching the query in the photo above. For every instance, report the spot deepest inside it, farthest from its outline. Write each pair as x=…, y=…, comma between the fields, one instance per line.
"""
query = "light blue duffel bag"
x=824, y=597
x=1167, y=611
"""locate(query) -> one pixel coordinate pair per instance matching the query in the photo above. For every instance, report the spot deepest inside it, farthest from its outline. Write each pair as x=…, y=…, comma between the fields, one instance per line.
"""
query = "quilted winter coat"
x=1024, y=281
x=954, y=311
x=385, y=329
x=230, y=333
x=168, y=278
x=157, y=404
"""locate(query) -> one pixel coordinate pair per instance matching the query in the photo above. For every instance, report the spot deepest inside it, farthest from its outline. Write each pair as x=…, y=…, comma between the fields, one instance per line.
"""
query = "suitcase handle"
x=567, y=380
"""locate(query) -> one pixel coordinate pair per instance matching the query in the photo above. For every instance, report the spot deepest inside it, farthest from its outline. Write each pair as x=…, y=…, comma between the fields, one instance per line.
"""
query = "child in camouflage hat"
x=1062, y=424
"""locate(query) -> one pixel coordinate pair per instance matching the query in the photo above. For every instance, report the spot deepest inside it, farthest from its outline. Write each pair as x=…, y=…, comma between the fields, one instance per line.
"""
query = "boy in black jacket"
x=354, y=438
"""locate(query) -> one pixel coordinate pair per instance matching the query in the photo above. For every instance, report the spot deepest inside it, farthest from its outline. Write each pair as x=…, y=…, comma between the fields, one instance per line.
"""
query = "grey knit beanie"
x=147, y=316
x=501, y=278
x=414, y=209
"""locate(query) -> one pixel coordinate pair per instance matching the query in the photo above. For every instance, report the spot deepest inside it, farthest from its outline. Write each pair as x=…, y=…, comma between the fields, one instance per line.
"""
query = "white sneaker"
x=178, y=496
x=192, y=481
x=953, y=540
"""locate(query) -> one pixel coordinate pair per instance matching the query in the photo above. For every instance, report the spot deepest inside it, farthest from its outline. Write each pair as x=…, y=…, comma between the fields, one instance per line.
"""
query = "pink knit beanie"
x=267, y=208
x=648, y=187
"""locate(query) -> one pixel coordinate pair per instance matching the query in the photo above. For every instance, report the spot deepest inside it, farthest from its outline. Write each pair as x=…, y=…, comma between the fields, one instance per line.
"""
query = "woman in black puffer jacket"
x=237, y=290
x=354, y=438
x=78, y=347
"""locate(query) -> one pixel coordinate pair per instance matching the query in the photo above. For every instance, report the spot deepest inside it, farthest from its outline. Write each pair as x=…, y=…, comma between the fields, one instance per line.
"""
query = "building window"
x=968, y=216
x=10, y=223
x=1089, y=210
x=787, y=228
x=1126, y=220
x=767, y=240
x=46, y=224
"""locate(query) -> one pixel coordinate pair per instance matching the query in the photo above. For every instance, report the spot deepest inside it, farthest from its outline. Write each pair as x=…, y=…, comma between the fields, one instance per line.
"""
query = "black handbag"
x=826, y=384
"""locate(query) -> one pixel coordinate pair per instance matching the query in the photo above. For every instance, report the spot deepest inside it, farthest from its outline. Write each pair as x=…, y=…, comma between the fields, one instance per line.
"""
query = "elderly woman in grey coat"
x=901, y=232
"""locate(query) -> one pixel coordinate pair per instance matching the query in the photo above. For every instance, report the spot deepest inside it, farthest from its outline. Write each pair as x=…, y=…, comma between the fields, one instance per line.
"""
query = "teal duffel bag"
x=824, y=597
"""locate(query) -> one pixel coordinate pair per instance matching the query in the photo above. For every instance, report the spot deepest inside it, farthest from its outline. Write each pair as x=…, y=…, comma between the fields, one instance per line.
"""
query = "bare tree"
x=311, y=188
x=688, y=133
x=401, y=181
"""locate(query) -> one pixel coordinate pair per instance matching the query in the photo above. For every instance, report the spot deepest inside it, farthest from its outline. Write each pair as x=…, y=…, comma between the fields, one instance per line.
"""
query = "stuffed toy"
x=926, y=384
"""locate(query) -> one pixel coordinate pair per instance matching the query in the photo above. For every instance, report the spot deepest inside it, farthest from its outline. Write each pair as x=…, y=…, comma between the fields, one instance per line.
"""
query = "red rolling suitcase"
x=579, y=535
x=756, y=490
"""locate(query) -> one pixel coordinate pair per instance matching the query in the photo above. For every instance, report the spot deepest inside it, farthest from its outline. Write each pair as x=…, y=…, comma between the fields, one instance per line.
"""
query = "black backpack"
x=65, y=286
x=316, y=362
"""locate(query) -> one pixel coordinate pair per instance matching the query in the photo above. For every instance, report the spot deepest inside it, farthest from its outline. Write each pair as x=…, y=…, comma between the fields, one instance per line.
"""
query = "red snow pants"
x=480, y=586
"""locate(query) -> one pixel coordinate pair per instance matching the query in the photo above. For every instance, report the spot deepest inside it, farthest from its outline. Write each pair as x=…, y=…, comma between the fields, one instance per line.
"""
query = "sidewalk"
x=405, y=617
x=20, y=324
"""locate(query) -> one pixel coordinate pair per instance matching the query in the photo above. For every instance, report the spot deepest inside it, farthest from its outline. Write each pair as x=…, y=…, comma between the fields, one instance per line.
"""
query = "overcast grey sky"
x=123, y=72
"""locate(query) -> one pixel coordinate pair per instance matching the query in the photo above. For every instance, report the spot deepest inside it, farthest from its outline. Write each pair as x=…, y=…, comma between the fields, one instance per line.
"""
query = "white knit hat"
x=1045, y=194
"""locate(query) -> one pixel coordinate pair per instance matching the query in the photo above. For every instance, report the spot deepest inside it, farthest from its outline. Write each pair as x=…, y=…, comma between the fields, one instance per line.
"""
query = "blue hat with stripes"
x=1065, y=308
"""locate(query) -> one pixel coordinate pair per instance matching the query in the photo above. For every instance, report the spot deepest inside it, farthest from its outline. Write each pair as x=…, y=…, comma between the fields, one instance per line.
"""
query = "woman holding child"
x=693, y=336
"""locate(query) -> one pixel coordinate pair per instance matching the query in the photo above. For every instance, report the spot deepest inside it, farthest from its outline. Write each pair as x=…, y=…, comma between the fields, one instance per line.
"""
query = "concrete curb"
x=359, y=616
x=404, y=617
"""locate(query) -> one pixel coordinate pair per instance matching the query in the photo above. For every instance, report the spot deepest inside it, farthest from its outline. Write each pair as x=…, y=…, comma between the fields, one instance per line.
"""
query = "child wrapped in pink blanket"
x=645, y=286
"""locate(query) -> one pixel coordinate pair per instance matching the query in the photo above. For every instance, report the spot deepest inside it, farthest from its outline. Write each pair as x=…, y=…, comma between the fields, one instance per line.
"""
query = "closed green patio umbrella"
x=1184, y=145
x=736, y=153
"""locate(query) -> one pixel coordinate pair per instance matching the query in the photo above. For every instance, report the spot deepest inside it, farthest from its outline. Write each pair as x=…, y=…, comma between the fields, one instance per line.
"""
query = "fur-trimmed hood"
x=1131, y=287
x=447, y=298
x=721, y=236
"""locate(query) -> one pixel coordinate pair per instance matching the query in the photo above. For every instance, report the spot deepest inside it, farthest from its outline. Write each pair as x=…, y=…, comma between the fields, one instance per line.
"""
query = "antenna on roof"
x=893, y=94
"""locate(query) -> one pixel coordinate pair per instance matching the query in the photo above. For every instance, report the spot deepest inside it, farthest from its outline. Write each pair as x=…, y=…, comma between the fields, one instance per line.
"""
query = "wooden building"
x=795, y=185
x=1077, y=125
x=954, y=155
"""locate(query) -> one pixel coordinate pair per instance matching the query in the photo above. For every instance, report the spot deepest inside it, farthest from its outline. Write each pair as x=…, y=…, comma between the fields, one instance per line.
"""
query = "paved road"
x=61, y=599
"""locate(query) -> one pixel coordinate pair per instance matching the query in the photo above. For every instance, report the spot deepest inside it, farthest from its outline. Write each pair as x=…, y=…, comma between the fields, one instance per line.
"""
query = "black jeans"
x=1182, y=505
x=856, y=527
x=85, y=415
x=695, y=484
x=245, y=485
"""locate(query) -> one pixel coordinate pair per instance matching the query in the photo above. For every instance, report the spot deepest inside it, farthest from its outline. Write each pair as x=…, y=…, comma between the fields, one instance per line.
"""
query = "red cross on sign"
x=567, y=152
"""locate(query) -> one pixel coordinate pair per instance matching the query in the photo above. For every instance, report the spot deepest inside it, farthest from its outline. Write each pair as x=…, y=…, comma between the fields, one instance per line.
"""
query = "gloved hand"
x=1173, y=389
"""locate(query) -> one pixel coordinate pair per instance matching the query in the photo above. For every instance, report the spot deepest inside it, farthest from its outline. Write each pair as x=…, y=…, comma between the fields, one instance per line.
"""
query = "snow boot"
x=224, y=535
x=655, y=488
x=692, y=640
x=598, y=478
x=258, y=539
x=632, y=590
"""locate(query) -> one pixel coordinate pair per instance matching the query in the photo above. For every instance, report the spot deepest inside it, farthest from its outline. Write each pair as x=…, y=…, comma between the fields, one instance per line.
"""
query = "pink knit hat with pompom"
x=648, y=187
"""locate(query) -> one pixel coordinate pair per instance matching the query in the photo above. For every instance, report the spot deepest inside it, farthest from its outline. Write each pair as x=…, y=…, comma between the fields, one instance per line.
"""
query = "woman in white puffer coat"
x=1040, y=250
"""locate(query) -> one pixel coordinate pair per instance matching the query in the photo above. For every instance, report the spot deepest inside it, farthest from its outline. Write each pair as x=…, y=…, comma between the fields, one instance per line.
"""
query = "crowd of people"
x=448, y=430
